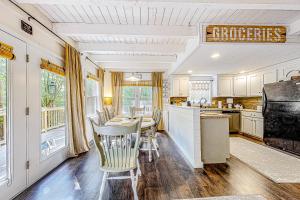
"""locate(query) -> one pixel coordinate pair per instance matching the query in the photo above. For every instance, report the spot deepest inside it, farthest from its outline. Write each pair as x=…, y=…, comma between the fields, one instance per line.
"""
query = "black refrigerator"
x=281, y=111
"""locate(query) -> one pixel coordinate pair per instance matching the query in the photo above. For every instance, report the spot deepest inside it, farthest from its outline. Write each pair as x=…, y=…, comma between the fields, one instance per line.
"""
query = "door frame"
x=17, y=89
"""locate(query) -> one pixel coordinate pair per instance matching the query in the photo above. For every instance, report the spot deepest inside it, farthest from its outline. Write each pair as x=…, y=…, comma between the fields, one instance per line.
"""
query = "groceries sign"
x=252, y=34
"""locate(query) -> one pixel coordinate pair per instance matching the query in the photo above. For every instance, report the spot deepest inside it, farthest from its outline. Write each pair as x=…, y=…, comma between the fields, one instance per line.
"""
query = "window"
x=4, y=144
x=138, y=96
x=92, y=97
x=200, y=90
x=53, y=98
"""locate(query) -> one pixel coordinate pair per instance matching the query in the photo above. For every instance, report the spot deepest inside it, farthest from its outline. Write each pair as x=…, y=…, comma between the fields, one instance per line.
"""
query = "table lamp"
x=107, y=101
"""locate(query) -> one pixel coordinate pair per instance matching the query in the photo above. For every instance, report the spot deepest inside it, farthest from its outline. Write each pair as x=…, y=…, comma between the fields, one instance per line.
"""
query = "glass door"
x=47, y=124
x=13, y=134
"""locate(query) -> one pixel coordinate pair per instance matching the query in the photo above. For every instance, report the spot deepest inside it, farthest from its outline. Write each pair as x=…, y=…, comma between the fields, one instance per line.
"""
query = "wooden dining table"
x=147, y=122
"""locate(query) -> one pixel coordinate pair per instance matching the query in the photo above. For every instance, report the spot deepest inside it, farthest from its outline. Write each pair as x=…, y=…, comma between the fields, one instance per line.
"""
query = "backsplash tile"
x=247, y=102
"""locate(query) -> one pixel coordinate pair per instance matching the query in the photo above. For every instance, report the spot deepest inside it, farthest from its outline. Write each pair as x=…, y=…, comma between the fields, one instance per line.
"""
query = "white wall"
x=41, y=44
x=107, y=84
x=10, y=21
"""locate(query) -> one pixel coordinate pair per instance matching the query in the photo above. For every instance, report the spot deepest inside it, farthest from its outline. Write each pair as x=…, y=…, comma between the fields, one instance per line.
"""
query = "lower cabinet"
x=247, y=125
x=252, y=125
x=258, y=127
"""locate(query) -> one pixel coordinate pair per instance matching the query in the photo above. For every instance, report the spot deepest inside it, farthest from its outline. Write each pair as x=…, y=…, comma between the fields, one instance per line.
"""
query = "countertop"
x=213, y=115
x=215, y=109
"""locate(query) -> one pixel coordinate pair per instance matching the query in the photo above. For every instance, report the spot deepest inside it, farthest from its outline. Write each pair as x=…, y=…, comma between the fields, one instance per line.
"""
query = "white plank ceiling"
x=181, y=17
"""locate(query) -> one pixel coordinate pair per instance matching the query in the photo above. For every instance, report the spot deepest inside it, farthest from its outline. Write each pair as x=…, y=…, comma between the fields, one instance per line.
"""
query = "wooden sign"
x=247, y=34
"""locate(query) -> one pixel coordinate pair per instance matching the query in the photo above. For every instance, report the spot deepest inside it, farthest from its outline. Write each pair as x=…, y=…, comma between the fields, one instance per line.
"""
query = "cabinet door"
x=175, y=87
x=269, y=76
x=225, y=86
x=184, y=87
x=258, y=127
x=240, y=86
x=247, y=125
x=255, y=85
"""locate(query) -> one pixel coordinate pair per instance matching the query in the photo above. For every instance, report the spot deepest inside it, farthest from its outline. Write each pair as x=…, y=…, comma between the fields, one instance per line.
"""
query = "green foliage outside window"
x=52, y=89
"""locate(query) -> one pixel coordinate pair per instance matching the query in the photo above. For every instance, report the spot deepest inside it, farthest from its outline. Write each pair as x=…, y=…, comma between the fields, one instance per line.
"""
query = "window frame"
x=9, y=148
x=87, y=96
x=44, y=158
x=137, y=96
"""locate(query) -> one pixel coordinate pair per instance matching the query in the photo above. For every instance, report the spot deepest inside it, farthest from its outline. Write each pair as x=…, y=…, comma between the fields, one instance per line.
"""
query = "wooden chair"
x=102, y=118
x=109, y=112
x=118, y=151
x=149, y=136
x=138, y=111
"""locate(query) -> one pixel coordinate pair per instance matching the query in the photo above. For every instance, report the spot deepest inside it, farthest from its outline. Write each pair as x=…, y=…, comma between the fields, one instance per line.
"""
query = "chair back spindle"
x=117, y=145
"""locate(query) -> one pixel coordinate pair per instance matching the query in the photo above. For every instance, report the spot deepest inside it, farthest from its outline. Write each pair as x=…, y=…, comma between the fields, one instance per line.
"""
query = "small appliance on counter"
x=238, y=106
x=188, y=103
x=229, y=102
x=220, y=104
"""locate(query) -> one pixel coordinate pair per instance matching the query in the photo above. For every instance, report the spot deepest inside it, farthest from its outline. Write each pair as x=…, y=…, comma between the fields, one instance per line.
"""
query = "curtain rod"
x=39, y=22
x=98, y=66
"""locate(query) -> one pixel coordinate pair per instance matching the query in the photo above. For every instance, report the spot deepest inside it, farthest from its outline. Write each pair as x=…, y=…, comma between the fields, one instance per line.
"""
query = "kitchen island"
x=185, y=130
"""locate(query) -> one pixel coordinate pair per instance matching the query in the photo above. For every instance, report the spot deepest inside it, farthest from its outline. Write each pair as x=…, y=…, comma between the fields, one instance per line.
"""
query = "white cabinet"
x=269, y=76
x=247, y=125
x=258, y=127
x=252, y=124
x=180, y=87
x=254, y=84
x=240, y=86
x=175, y=87
x=184, y=87
x=224, y=86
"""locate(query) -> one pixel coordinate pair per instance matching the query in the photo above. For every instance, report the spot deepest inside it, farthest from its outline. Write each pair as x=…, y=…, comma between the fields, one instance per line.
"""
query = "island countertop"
x=213, y=115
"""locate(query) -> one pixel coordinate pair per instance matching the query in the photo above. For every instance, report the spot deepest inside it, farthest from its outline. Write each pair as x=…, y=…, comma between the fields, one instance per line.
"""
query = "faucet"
x=203, y=101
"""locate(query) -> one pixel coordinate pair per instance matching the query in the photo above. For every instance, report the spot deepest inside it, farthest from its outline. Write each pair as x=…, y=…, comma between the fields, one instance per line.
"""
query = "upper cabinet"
x=180, y=86
x=269, y=76
x=254, y=84
x=223, y=86
x=240, y=86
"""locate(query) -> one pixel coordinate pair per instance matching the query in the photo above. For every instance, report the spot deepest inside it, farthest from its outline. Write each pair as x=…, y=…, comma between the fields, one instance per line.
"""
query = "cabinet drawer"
x=247, y=114
x=257, y=115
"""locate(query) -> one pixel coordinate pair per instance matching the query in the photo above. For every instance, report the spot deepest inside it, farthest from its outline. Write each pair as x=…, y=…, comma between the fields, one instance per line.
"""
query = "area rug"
x=242, y=197
x=277, y=166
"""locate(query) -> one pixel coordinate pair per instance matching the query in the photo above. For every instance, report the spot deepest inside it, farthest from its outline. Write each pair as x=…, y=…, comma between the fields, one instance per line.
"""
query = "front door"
x=13, y=125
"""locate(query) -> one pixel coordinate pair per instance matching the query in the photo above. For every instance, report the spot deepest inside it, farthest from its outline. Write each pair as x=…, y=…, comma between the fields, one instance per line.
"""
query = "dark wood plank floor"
x=168, y=177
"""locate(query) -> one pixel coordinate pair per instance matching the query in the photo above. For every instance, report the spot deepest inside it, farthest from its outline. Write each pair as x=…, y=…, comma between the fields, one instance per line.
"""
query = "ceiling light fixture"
x=241, y=72
x=215, y=55
x=134, y=77
x=190, y=71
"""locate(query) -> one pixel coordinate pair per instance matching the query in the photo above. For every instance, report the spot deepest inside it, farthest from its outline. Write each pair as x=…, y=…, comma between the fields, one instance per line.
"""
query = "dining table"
x=147, y=122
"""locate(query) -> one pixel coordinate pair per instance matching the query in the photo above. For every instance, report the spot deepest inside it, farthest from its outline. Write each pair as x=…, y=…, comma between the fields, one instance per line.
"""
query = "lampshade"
x=107, y=101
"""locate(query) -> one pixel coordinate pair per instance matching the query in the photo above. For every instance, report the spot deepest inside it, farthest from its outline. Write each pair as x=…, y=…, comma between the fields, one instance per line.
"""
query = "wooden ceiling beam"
x=134, y=58
x=128, y=47
x=76, y=29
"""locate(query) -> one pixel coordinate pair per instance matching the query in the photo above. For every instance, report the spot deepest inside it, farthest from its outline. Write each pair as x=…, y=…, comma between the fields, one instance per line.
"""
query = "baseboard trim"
x=251, y=136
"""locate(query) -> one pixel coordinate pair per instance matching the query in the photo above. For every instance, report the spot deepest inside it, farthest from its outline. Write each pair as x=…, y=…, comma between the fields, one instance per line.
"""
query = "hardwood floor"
x=168, y=177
